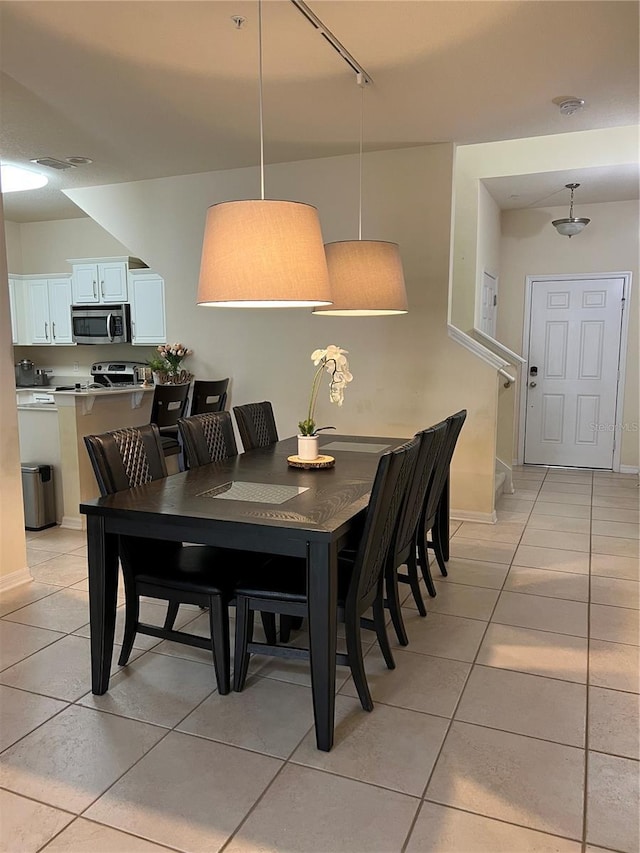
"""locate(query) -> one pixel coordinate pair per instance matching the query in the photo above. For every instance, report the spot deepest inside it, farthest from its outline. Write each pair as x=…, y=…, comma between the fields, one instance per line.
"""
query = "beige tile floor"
x=510, y=723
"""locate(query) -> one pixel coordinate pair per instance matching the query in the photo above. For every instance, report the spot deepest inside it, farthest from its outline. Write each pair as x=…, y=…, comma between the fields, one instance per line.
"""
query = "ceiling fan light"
x=263, y=248
x=366, y=279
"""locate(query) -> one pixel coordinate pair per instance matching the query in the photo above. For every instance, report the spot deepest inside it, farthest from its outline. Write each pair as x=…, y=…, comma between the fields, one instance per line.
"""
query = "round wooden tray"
x=320, y=462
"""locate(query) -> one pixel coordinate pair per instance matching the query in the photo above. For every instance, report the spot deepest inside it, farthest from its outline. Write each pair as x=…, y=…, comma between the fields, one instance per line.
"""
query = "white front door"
x=489, y=304
x=572, y=371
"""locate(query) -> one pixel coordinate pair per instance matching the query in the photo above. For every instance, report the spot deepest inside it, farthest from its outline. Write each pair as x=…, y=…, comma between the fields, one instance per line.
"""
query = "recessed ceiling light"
x=16, y=178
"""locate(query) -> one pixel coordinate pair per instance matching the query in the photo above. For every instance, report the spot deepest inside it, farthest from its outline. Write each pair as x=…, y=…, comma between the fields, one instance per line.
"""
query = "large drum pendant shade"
x=366, y=279
x=263, y=254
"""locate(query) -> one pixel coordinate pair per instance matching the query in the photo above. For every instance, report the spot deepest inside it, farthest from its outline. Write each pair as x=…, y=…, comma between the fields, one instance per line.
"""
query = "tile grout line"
x=457, y=705
x=585, y=783
x=75, y=820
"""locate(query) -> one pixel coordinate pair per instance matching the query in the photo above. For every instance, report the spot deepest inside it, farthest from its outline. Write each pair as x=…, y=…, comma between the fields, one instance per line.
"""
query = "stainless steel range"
x=116, y=374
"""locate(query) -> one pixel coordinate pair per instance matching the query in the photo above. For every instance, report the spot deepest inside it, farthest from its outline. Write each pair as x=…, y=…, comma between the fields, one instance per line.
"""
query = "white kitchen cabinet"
x=14, y=295
x=48, y=303
x=101, y=280
x=146, y=295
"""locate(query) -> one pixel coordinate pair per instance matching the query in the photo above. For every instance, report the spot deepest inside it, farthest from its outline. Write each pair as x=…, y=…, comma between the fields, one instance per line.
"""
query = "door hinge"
x=495, y=300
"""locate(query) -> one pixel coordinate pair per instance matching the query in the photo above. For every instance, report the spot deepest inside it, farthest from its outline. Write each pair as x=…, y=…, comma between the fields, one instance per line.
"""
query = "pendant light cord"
x=362, y=83
x=260, y=100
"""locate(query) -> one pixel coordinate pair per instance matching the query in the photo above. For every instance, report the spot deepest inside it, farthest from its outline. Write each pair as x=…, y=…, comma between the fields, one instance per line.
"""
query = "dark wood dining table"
x=254, y=501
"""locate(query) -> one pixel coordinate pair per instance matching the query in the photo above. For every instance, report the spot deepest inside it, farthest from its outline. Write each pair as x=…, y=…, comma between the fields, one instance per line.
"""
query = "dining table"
x=254, y=501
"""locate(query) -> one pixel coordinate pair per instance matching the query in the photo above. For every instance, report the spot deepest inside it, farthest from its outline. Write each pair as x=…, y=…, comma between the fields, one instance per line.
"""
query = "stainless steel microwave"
x=101, y=324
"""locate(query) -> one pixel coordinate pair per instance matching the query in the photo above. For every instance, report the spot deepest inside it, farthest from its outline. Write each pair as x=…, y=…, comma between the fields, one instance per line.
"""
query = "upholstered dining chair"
x=207, y=438
x=208, y=396
x=169, y=405
x=360, y=582
x=404, y=546
x=433, y=503
x=205, y=576
x=256, y=425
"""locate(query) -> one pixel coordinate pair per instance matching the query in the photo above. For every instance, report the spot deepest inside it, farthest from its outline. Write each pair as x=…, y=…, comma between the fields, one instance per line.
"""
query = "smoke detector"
x=569, y=106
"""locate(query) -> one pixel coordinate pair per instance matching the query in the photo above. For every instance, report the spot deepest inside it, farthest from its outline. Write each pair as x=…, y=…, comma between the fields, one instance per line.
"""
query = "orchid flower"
x=333, y=360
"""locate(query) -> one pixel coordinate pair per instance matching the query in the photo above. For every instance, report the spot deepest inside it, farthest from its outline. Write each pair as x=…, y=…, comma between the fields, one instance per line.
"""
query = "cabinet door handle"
x=102, y=288
x=53, y=329
x=94, y=289
x=46, y=330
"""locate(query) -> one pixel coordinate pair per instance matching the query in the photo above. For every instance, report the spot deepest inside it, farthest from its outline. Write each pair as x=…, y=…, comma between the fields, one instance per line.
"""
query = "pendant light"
x=366, y=275
x=263, y=253
x=571, y=225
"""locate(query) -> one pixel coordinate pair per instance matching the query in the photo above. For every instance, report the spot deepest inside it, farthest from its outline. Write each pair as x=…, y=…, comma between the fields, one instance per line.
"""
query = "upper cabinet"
x=48, y=308
x=101, y=280
x=146, y=295
x=14, y=308
x=41, y=304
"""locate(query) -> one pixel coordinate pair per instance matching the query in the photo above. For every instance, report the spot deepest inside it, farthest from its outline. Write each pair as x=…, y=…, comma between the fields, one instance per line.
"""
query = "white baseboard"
x=13, y=579
x=629, y=469
x=502, y=467
x=472, y=515
x=72, y=522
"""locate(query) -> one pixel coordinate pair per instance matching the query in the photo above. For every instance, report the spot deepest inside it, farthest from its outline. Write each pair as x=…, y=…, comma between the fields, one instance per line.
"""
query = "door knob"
x=532, y=384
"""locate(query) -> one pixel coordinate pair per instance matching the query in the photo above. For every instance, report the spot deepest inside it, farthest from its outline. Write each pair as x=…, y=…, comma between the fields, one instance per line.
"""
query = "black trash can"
x=38, y=496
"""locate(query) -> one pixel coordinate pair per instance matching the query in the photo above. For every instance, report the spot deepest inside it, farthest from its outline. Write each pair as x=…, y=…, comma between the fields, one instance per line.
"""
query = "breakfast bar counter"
x=53, y=433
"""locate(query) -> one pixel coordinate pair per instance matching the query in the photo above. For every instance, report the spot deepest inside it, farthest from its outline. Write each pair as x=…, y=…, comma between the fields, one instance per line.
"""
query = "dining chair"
x=202, y=575
x=433, y=503
x=207, y=438
x=208, y=396
x=169, y=405
x=360, y=582
x=256, y=425
x=403, y=550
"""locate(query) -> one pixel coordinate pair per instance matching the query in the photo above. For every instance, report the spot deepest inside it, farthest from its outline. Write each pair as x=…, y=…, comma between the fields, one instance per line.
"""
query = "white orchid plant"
x=333, y=360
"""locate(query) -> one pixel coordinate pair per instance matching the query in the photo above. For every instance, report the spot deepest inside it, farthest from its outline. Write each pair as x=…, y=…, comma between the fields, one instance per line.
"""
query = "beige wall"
x=43, y=247
x=14, y=246
x=488, y=253
x=13, y=554
x=407, y=371
x=531, y=246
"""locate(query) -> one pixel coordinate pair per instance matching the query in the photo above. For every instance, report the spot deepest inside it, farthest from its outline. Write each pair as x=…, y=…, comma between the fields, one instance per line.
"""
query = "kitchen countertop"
x=87, y=396
x=92, y=392
x=84, y=392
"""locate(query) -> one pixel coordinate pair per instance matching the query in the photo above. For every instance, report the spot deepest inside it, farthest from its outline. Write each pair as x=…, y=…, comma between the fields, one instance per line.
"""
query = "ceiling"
x=157, y=88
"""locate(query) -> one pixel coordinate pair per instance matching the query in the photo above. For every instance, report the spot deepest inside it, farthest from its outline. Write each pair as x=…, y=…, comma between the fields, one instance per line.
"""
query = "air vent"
x=52, y=163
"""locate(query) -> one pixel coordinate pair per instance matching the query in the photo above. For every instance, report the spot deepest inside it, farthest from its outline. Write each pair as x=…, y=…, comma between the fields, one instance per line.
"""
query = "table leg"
x=103, y=588
x=322, y=586
x=442, y=520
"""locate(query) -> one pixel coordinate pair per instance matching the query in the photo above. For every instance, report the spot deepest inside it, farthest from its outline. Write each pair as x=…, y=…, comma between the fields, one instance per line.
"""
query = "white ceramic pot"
x=308, y=447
